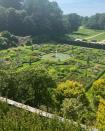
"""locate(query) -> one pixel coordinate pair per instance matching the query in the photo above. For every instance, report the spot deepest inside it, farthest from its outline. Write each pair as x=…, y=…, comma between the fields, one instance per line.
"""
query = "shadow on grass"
x=80, y=34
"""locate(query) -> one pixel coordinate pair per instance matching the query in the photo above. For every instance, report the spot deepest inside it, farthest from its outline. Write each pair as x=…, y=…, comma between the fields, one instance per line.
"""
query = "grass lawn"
x=89, y=34
x=99, y=38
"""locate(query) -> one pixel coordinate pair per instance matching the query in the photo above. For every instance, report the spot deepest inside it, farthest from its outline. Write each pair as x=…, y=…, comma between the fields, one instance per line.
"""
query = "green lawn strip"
x=99, y=38
x=84, y=33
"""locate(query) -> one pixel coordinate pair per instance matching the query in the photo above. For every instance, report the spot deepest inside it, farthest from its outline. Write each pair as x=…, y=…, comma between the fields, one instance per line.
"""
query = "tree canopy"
x=40, y=18
x=30, y=85
x=11, y=3
x=95, y=22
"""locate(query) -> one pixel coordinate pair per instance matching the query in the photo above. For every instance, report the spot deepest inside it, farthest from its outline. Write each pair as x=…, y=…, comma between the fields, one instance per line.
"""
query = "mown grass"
x=99, y=38
x=84, y=33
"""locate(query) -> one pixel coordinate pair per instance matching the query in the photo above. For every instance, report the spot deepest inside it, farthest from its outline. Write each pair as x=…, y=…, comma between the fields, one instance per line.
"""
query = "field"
x=64, y=62
x=89, y=34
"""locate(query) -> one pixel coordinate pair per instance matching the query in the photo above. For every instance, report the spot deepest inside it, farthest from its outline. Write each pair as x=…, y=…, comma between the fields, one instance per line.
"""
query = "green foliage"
x=72, y=22
x=71, y=108
x=88, y=35
x=6, y=34
x=71, y=99
x=96, y=21
x=74, y=109
x=30, y=85
x=98, y=90
x=73, y=64
x=11, y=3
x=70, y=89
x=101, y=115
x=7, y=40
x=28, y=43
x=40, y=18
x=19, y=120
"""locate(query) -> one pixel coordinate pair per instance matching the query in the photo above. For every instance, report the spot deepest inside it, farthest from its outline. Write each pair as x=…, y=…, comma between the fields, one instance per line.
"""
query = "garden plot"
x=63, y=62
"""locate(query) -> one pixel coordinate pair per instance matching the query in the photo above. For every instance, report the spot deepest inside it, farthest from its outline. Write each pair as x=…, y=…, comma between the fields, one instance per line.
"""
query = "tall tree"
x=3, y=19
x=96, y=21
x=15, y=21
x=72, y=22
x=11, y=3
x=47, y=16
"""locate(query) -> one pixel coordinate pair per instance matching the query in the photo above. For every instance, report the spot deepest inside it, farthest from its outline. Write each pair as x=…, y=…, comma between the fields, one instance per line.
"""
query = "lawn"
x=89, y=34
x=99, y=38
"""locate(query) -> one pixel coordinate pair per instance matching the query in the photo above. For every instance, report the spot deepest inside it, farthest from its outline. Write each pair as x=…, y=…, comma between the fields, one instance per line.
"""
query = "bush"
x=40, y=39
x=75, y=110
x=28, y=43
x=6, y=34
x=101, y=114
x=7, y=40
x=98, y=90
x=69, y=90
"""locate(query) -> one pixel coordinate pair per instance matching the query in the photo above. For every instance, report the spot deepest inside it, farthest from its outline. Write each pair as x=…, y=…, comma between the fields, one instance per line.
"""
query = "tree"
x=39, y=83
x=15, y=21
x=96, y=21
x=85, y=20
x=8, y=40
x=11, y=3
x=3, y=19
x=45, y=16
x=31, y=85
x=72, y=22
x=40, y=18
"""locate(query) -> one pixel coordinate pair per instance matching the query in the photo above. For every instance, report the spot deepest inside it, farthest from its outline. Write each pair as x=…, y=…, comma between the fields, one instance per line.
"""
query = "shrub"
x=69, y=90
x=7, y=40
x=98, y=90
x=6, y=34
x=101, y=114
x=28, y=43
